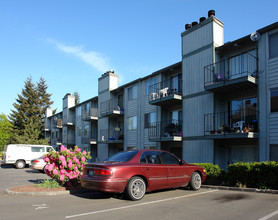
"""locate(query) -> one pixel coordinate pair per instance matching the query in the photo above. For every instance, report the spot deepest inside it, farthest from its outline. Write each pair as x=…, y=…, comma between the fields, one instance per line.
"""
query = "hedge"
x=215, y=175
x=262, y=175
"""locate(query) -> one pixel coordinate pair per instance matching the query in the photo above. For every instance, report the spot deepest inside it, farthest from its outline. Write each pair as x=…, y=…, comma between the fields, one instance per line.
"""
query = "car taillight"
x=36, y=161
x=102, y=172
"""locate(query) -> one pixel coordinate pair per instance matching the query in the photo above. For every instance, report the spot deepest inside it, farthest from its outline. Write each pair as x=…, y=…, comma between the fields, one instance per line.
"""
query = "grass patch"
x=49, y=184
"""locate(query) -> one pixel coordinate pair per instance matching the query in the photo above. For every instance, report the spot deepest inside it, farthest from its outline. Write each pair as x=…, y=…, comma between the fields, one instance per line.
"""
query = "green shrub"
x=49, y=184
x=262, y=175
x=214, y=173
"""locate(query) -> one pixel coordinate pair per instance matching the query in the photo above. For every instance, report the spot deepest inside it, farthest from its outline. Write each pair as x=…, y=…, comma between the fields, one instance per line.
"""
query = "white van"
x=22, y=154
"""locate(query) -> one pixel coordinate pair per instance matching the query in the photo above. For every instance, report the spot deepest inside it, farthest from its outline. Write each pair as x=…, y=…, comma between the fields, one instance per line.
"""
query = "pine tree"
x=44, y=97
x=26, y=107
x=28, y=113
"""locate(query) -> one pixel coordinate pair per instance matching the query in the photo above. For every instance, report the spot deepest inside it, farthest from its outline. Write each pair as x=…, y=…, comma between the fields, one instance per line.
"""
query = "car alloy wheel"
x=136, y=188
x=196, y=181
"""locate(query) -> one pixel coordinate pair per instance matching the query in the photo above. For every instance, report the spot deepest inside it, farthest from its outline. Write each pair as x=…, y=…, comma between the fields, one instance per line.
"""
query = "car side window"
x=48, y=149
x=150, y=157
x=169, y=158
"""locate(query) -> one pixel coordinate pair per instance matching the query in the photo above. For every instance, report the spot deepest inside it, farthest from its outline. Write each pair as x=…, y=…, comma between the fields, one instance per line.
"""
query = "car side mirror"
x=182, y=162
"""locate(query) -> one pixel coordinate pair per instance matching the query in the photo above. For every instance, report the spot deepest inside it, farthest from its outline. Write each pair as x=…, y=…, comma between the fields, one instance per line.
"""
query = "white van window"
x=48, y=149
x=37, y=149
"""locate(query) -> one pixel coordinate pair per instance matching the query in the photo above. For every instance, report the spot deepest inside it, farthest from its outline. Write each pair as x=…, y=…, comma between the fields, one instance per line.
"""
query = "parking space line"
x=269, y=215
x=140, y=204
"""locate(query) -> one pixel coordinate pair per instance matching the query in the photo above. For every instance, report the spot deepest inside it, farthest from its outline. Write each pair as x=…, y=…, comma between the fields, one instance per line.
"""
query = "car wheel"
x=20, y=164
x=136, y=188
x=196, y=181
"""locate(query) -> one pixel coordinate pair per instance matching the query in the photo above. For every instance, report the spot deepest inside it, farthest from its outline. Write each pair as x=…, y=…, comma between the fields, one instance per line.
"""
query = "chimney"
x=202, y=19
x=211, y=13
x=187, y=26
x=194, y=23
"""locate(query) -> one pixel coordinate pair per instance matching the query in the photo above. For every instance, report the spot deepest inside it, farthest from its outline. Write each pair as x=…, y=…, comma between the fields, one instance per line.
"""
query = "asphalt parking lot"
x=167, y=204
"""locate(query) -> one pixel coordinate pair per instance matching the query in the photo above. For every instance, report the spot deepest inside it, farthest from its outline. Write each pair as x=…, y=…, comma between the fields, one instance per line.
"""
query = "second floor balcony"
x=235, y=124
x=111, y=108
x=165, y=131
x=232, y=75
x=90, y=138
x=168, y=92
x=112, y=135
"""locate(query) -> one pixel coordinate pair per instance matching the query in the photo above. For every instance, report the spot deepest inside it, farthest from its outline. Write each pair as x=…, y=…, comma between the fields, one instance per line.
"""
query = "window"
x=176, y=84
x=151, y=157
x=169, y=158
x=79, y=130
x=273, y=45
x=48, y=149
x=274, y=100
x=132, y=123
x=37, y=149
x=132, y=92
x=150, y=119
x=176, y=116
x=122, y=156
x=150, y=82
x=79, y=110
x=86, y=130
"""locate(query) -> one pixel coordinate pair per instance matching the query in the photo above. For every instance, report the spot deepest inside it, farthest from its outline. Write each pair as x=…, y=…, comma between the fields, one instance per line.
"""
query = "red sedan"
x=139, y=171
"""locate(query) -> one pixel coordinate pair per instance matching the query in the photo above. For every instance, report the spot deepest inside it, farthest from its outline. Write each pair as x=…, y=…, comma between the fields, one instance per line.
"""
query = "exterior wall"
x=199, y=44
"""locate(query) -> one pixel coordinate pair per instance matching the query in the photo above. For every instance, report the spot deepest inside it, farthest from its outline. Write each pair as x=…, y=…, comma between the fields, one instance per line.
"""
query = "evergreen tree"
x=28, y=113
x=77, y=97
x=26, y=108
x=44, y=97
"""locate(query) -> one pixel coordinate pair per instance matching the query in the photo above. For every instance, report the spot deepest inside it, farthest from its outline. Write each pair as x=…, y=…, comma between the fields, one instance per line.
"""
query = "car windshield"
x=122, y=156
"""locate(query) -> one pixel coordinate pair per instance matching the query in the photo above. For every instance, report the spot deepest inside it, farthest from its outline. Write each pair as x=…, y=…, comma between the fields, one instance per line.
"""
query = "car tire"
x=136, y=188
x=20, y=164
x=196, y=181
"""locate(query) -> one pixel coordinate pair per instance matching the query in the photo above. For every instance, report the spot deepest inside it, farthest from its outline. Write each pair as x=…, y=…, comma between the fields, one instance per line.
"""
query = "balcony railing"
x=232, y=68
x=69, y=120
x=90, y=139
x=112, y=135
x=165, y=92
x=234, y=122
x=58, y=123
x=90, y=114
x=111, y=107
x=165, y=131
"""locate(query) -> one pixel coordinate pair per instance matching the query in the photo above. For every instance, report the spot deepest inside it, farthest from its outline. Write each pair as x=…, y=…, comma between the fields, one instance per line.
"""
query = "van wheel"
x=20, y=164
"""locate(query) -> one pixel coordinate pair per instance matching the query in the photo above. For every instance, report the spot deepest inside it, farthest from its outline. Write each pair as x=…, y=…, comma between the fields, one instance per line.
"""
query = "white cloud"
x=93, y=58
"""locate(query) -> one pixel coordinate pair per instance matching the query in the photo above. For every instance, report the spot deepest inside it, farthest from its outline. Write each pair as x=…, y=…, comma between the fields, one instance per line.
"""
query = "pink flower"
x=63, y=148
x=75, y=167
x=69, y=165
x=55, y=171
x=84, y=152
x=62, y=177
x=46, y=159
x=83, y=159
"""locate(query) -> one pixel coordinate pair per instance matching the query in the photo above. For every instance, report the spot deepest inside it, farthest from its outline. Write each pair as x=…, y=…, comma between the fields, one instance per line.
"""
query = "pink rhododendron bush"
x=67, y=165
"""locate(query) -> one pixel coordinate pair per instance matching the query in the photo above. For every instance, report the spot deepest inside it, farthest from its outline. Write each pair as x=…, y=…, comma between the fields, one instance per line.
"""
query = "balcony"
x=90, y=139
x=90, y=114
x=57, y=141
x=58, y=123
x=168, y=92
x=165, y=131
x=113, y=135
x=69, y=121
x=111, y=108
x=236, y=124
x=234, y=75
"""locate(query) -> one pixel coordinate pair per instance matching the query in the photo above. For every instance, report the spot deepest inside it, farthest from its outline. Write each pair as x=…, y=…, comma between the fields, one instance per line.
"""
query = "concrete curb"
x=271, y=191
x=48, y=193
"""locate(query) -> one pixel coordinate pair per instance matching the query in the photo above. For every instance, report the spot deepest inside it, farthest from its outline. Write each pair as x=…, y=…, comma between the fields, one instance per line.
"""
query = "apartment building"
x=219, y=104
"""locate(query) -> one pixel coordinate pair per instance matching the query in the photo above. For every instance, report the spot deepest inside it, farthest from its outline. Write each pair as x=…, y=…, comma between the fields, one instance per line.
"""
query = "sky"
x=71, y=43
